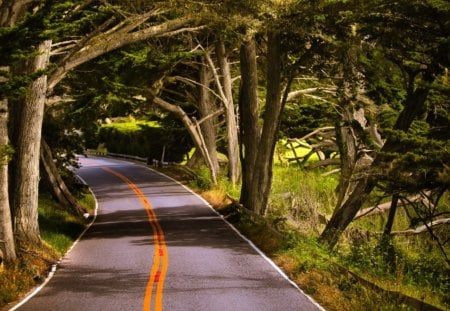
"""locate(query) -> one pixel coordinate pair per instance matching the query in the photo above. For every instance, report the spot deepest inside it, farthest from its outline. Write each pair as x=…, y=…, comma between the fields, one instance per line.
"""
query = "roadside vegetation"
x=59, y=227
x=362, y=273
x=325, y=122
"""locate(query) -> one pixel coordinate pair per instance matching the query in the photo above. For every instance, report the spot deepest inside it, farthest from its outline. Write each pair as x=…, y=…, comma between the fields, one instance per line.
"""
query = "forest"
x=258, y=99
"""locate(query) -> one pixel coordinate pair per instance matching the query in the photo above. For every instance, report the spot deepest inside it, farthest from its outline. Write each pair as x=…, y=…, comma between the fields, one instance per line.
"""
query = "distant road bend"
x=157, y=246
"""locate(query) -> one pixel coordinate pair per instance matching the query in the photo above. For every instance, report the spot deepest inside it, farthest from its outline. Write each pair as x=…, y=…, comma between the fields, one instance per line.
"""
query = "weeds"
x=59, y=228
x=299, y=204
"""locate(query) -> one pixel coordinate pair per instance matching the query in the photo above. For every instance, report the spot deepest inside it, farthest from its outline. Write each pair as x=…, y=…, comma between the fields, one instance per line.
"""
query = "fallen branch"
x=423, y=228
x=381, y=208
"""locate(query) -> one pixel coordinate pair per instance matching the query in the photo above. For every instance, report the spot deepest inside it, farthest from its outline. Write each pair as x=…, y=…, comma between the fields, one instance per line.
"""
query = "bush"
x=145, y=139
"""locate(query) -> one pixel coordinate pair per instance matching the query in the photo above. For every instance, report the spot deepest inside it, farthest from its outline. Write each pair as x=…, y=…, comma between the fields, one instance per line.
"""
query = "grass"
x=298, y=198
x=59, y=229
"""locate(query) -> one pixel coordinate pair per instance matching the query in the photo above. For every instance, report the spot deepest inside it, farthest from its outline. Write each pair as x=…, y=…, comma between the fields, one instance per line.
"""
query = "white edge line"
x=54, y=266
x=278, y=269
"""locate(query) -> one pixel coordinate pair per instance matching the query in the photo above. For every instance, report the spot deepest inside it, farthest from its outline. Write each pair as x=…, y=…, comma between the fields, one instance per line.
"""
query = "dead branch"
x=424, y=228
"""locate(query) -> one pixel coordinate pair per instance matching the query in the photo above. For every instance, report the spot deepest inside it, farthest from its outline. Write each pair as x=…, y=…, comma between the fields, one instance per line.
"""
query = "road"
x=156, y=246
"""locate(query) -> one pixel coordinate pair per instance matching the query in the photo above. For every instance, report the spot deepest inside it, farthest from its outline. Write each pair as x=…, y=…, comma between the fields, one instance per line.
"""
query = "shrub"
x=145, y=139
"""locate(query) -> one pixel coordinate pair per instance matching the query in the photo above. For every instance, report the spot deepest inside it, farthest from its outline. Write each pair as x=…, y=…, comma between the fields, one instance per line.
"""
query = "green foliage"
x=414, y=268
x=144, y=139
x=304, y=116
x=6, y=152
x=59, y=227
x=203, y=179
x=65, y=142
x=309, y=192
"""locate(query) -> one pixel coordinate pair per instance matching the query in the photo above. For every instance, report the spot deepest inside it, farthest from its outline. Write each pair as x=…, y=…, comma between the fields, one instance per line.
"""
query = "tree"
x=415, y=43
x=7, y=245
x=249, y=117
x=27, y=147
x=109, y=33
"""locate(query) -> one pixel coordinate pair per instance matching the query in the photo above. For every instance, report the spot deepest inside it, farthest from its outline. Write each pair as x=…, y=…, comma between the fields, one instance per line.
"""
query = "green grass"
x=59, y=227
x=298, y=197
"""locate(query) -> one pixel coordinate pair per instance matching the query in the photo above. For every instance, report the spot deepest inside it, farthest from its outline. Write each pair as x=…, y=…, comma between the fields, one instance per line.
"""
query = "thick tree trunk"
x=11, y=11
x=349, y=145
x=207, y=108
x=262, y=175
x=230, y=115
x=249, y=121
x=27, y=148
x=57, y=184
x=258, y=149
x=7, y=245
x=414, y=105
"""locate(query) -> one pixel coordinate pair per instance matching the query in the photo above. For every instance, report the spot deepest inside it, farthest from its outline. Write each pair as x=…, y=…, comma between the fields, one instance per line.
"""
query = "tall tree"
x=414, y=36
x=250, y=132
x=26, y=161
x=110, y=33
x=7, y=245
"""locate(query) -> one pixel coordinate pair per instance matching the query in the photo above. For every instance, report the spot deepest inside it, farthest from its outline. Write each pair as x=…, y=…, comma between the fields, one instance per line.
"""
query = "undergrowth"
x=299, y=205
x=59, y=229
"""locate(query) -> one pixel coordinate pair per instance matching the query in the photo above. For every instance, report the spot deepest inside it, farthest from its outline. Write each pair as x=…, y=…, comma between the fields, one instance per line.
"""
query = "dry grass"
x=217, y=198
x=31, y=268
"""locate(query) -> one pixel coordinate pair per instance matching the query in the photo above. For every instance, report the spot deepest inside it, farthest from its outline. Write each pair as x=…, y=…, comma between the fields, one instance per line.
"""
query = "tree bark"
x=346, y=139
x=390, y=221
x=262, y=175
x=57, y=184
x=206, y=108
x=7, y=245
x=230, y=115
x=249, y=121
x=259, y=148
x=26, y=175
x=12, y=10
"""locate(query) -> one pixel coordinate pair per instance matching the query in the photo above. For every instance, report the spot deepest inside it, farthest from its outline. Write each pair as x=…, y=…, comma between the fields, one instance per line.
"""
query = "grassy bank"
x=59, y=229
x=359, y=274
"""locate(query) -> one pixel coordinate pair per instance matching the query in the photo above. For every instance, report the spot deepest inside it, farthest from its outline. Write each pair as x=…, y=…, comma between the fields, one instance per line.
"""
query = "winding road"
x=157, y=246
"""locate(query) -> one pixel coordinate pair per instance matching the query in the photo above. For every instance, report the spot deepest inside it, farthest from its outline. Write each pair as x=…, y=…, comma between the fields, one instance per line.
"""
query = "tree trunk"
x=27, y=147
x=12, y=10
x=390, y=221
x=249, y=121
x=230, y=115
x=258, y=149
x=347, y=141
x=207, y=108
x=7, y=245
x=414, y=105
x=57, y=184
x=262, y=176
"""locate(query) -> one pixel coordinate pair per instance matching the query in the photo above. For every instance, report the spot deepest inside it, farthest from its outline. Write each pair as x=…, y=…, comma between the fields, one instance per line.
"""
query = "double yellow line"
x=160, y=257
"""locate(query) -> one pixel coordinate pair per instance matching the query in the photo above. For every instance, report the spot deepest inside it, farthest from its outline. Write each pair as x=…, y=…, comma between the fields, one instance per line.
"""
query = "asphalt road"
x=157, y=246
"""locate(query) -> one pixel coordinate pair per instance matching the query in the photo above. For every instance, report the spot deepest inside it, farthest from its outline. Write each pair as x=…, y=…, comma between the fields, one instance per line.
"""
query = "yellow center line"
x=159, y=267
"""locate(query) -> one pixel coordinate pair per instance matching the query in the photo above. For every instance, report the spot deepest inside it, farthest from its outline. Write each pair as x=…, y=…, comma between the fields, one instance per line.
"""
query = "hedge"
x=145, y=139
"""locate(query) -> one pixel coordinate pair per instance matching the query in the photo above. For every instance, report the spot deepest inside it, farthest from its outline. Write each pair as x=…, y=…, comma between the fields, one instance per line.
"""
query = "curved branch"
x=424, y=228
